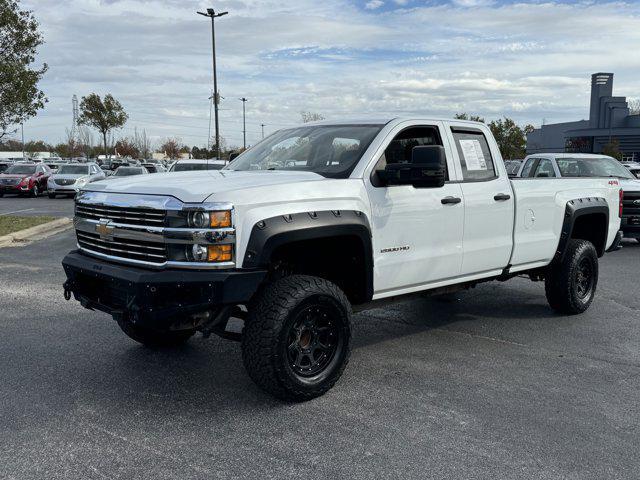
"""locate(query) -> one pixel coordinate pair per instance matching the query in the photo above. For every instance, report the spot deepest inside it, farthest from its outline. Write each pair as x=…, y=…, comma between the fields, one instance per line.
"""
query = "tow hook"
x=67, y=291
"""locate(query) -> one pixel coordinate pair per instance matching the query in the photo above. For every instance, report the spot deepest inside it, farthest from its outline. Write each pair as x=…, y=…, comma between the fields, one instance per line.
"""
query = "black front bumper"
x=160, y=299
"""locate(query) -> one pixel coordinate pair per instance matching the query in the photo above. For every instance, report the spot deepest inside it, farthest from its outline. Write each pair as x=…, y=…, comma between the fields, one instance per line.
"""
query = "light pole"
x=262, y=125
x=244, y=122
x=216, y=97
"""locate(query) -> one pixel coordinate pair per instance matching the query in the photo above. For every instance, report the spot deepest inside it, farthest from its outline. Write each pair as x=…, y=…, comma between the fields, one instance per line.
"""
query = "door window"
x=400, y=149
x=526, y=170
x=545, y=169
x=475, y=156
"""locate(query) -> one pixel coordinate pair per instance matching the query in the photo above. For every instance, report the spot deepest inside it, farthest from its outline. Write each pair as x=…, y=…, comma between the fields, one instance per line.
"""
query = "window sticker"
x=473, y=156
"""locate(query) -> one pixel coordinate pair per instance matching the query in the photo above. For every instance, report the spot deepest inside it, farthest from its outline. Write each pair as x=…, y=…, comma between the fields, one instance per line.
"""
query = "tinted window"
x=328, y=150
x=401, y=147
x=191, y=167
x=545, y=169
x=128, y=171
x=475, y=156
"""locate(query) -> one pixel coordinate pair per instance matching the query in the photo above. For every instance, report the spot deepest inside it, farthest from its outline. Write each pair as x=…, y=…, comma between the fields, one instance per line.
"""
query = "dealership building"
x=609, y=121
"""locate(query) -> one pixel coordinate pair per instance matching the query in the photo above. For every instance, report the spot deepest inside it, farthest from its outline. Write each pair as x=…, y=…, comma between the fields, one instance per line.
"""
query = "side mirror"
x=427, y=169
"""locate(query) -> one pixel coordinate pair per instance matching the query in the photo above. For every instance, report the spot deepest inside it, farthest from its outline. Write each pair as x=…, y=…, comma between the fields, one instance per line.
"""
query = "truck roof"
x=386, y=120
x=568, y=155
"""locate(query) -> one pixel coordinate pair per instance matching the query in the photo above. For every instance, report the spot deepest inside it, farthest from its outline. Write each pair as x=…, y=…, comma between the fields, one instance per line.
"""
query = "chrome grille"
x=130, y=216
x=631, y=204
x=151, y=252
x=64, y=181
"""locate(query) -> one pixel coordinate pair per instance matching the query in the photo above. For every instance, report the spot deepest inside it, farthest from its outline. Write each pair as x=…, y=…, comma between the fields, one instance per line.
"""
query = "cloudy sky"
x=530, y=60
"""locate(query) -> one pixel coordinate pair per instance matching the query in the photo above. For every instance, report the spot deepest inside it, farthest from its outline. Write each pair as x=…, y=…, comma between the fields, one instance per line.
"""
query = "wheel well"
x=342, y=260
x=592, y=227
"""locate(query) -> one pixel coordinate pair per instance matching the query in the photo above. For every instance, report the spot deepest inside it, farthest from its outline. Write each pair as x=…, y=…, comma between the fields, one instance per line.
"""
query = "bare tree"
x=311, y=117
x=85, y=137
x=73, y=147
x=142, y=143
x=634, y=106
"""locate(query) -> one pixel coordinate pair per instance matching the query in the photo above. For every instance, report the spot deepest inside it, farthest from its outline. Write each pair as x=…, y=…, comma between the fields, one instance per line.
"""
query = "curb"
x=39, y=232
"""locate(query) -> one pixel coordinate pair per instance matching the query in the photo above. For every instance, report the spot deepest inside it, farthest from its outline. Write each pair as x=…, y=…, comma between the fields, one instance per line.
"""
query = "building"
x=610, y=121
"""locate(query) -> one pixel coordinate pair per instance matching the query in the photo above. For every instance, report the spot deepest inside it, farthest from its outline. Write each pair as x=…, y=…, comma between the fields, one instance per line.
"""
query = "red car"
x=25, y=179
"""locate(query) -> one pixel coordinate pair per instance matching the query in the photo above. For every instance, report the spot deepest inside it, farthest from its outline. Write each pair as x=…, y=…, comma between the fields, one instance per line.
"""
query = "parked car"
x=633, y=167
x=193, y=165
x=128, y=172
x=317, y=218
x=574, y=165
x=4, y=165
x=154, y=167
x=513, y=167
x=71, y=178
x=24, y=179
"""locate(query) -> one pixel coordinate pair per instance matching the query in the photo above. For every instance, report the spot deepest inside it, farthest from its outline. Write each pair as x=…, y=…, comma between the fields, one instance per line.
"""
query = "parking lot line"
x=17, y=211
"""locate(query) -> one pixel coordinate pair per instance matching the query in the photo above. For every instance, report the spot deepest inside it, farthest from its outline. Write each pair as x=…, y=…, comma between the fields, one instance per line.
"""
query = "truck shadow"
x=207, y=375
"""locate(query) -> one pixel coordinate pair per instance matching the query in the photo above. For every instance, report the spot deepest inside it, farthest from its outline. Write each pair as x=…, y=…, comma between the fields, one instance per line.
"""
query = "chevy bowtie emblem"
x=104, y=229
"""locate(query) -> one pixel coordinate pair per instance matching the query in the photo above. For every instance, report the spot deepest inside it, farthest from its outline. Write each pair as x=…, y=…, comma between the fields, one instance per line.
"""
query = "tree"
x=464, y=116
x=634, y=106
x=126, y=147
x=104, y=116
x=612, y=149
x=511, y=138
x=20, y=97
x=311, y=117
x=142, y=143
x=171, y=148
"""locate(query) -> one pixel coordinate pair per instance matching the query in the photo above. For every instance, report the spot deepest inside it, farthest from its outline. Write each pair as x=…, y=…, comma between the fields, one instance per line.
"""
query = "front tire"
x=153, y=338
x=35, y=192
x=297, y=339
x=52, y=196
x=570, y=285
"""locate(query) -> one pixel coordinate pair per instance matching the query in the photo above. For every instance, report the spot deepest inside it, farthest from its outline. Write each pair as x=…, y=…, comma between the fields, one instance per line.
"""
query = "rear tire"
x=153, y=338
x=297, y=338
x=570, y=285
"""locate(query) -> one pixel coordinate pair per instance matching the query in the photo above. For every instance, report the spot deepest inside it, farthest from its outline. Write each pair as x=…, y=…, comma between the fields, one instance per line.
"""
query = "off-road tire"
x=564, y=284
x=275, y=316
x=153, y=338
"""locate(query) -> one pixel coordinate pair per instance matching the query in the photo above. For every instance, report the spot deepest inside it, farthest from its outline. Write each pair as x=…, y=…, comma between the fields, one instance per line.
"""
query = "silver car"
x=70, y=178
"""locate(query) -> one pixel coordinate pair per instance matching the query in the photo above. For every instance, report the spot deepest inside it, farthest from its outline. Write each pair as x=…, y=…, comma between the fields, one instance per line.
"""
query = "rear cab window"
x=475, y=155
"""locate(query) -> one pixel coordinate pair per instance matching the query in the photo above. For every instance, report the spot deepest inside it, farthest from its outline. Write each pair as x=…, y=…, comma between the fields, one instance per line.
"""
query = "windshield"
x=127, y=171
x=592, y=167
x=329, y=150
x=21, y=170
x=191, y=167
x=73, y=170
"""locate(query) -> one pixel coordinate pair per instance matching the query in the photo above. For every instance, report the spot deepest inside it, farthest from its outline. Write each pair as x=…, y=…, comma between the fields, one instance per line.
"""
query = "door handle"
x=450, y=200
x=502, y=197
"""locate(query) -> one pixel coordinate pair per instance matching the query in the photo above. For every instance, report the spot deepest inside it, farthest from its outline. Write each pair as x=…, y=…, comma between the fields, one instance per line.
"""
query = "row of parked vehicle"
x=33, y=179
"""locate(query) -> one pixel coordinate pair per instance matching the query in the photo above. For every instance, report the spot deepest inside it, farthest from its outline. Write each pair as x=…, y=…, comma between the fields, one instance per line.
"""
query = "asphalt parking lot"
x=488, y=383
x=27, y=206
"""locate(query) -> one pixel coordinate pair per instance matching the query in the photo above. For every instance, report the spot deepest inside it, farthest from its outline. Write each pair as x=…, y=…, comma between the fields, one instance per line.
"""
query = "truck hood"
x=196, y=187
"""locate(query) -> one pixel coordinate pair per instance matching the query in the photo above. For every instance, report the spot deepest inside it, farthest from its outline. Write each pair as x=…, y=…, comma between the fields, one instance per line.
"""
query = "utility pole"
x=244, y=122
x=210, y=108
x=262, y=125
x=216, y=96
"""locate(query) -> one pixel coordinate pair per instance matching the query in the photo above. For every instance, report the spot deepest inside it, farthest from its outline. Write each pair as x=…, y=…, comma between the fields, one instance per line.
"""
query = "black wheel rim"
x=313, y=340
x=584, y=278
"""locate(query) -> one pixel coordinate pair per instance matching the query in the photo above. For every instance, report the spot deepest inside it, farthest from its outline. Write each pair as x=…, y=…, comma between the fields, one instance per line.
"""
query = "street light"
x=244, y=122
x=216, y=97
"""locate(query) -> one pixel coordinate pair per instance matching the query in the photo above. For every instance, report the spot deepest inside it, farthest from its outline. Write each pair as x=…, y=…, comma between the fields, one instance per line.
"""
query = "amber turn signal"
x=219, y=253
x=220, y=219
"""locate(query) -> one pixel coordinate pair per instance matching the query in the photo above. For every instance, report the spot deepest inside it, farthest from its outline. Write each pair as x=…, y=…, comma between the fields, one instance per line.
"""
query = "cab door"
x=488, y=197
x=417, y=232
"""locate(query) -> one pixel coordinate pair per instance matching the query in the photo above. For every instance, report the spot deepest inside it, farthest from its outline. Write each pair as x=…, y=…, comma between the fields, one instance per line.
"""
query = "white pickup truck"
x=316, y=219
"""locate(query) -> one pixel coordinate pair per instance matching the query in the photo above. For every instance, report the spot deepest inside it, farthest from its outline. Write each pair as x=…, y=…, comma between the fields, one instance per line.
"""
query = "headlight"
x=209, y=253
x=200, y=219
x=81, y=181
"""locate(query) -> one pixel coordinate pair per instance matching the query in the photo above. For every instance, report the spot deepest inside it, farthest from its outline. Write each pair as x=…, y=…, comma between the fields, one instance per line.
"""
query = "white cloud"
x=523, y=60
x=373, y=4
